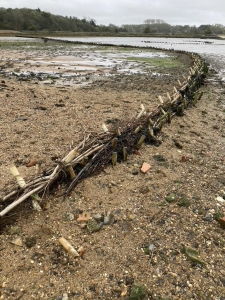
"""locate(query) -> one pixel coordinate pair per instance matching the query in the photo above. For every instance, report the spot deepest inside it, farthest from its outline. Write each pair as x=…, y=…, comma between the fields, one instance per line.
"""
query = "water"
x=212, y=50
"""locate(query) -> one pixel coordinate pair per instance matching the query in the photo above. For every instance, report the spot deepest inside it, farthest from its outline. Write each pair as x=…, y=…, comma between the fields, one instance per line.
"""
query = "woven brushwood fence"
x=113, y=145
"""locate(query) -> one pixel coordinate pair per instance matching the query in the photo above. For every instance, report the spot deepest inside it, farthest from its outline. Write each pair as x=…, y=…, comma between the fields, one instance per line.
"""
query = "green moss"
x=138, y=291
x=192, y=255
x=183, y=202
x=218, y=215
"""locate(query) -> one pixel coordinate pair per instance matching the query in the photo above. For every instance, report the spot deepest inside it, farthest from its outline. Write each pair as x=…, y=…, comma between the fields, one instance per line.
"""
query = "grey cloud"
x=118, y=12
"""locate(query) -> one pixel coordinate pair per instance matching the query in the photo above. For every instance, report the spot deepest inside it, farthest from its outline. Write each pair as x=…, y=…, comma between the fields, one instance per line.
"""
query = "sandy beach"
x=50, y=99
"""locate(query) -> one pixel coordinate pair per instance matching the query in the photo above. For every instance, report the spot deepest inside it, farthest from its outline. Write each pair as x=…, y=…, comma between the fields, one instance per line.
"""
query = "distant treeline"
x=25, y=19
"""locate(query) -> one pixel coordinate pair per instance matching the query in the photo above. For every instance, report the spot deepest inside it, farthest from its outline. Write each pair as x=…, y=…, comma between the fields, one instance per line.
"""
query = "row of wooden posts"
x=173, y=105
x=94, y=153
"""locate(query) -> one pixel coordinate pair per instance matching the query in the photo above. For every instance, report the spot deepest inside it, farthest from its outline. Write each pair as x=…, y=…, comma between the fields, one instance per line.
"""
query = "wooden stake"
x=114, y=142
x=169, y=117
x=160, y=100
x=163, y=111
x=180, y=109
x=137, y=129
x=168, y=96
x=179, y=82
x=114, y=159
x=140, y=142
x=104, y=127
x=70, y=156
x=141, y=112
x=176, y=98
x=118, y=132
x=150, y=122
x=37, y=168
x=124, y=153
x=84, y=161
x=160, y=125
x=175, y=90
x=21, y=182
x=71, y=172
x=150, y=131
x=184, y=101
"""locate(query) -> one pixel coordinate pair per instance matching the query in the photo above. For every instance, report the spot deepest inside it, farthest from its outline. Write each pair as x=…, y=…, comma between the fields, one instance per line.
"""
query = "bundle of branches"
x=96, y=151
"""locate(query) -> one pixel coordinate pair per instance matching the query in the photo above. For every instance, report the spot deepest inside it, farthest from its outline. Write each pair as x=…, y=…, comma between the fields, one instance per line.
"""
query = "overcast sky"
x=119, y=12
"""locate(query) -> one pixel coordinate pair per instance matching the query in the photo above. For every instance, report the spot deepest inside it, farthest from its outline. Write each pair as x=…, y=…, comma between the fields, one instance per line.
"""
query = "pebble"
x=135, y=171
x=220, y=199
x=108, y=218
x=18, y=242
x=98, y=217
x=151, y=247
x=65, y=297
x=92, y=225
x=208, y=217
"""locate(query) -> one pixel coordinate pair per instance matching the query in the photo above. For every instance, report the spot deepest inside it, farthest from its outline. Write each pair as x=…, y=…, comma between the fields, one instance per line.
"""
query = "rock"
x=138, y=291
x=135, y=171
x=145, y=167
x=220, y=199
x=31, y=163
x=208, y=217
x=151, y=247
x=92, y=225
x=178, y=144
x=22, y=119
x=65, y=297
x=222, y=222
x=69, y=217
x=108, y=218
x=170, y=198
x=18, y=242
x=98, y=217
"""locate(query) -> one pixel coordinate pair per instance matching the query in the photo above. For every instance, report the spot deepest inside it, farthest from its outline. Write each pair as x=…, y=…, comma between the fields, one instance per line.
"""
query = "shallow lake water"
x=212, y=50
x=78, y=60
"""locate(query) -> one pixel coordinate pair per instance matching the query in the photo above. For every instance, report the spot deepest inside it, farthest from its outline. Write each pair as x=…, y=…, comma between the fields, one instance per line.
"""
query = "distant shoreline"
x=38, y=34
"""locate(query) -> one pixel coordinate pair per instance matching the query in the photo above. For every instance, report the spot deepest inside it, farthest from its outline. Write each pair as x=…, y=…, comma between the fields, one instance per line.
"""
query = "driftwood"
x=96, y=151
